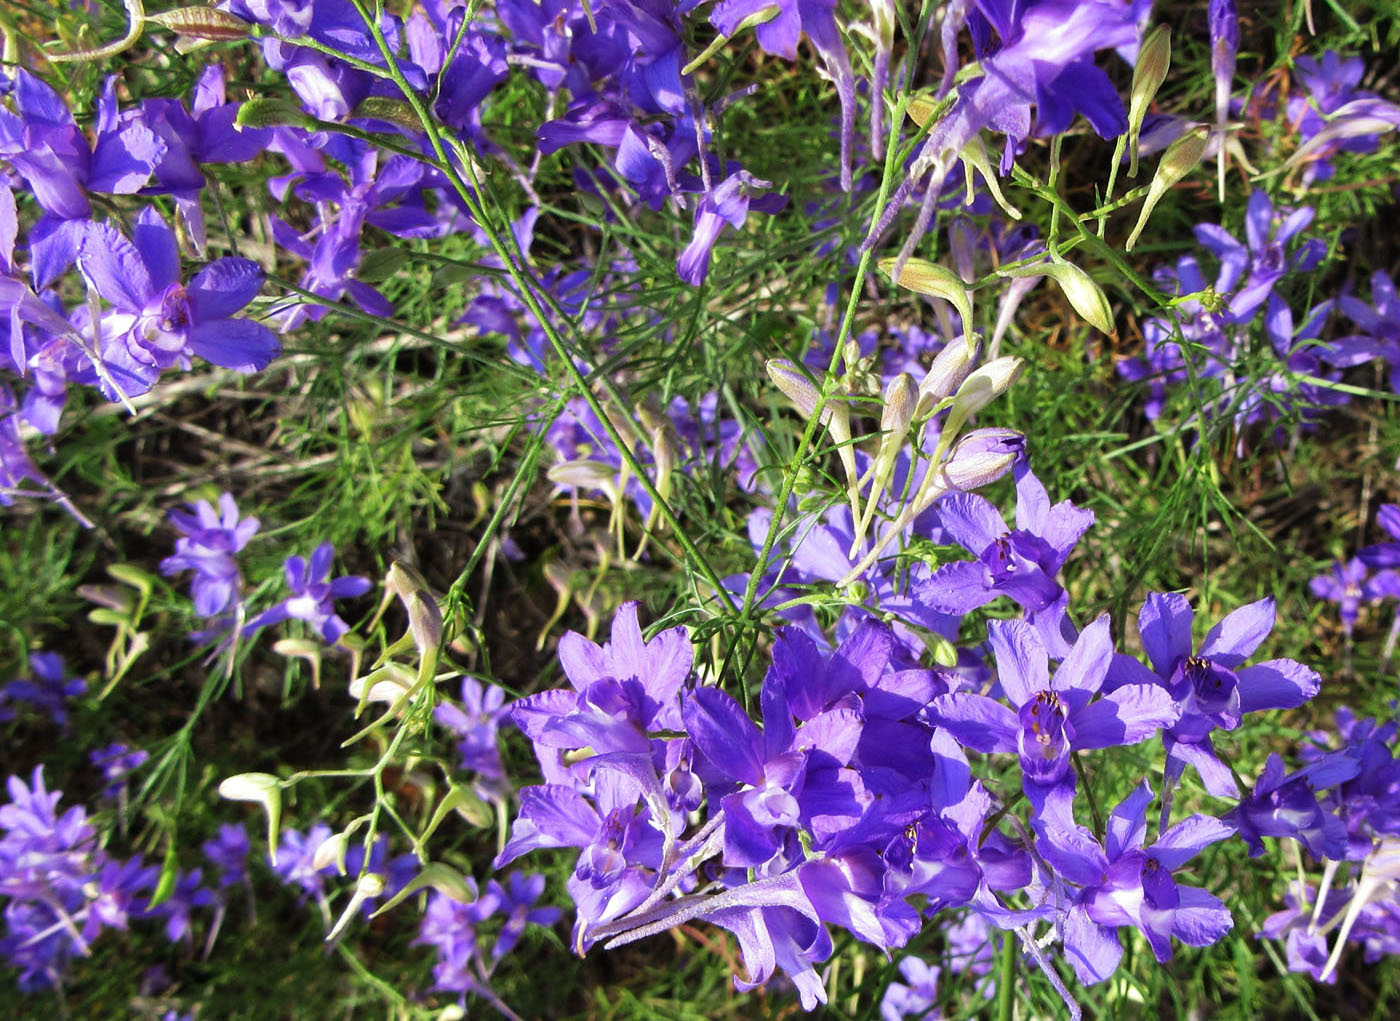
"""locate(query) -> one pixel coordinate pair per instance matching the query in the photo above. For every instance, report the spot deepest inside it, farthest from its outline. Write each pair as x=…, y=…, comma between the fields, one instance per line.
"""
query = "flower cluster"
x=853, y=802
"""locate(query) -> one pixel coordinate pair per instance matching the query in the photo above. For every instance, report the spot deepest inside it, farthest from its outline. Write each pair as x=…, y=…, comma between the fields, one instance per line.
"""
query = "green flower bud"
x=1154, y=60
x=1181, y=157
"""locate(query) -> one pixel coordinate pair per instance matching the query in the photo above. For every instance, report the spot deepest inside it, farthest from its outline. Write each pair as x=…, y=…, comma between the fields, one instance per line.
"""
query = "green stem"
x=470, y=193
x=1006, y=989
x=892, y=160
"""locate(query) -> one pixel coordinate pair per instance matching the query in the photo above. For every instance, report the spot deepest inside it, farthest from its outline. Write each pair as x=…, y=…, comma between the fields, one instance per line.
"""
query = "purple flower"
x=208, y=541
x=156, y=320
x=1350, y=584
x=313, y=595
x=1379, y=323
x=729, y=203
x=1021, y=563
x=117, y=762
x=1050, y=717
x=1287, y=806
x=516, y=902
x=1122, y=883
x=476, y=724
x=228, y=850
x=181, y=904
x=1263, y=261
x=1212, y=687
x=48, y=690
x=917, y=999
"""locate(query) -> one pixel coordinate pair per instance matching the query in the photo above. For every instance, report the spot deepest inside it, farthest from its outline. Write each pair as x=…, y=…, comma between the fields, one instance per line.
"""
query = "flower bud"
x=981, y=457
x=794, y=384
x=583, y=474
x=1154, y=59
x=900, y=400
x=1181, y=157
x=388, y=684
x=331, y=852
x=266, y=790
x=974, y=157
x=950, y=367
x=441, y=877
x=982, y=387
x=367, y=887
x=936, y=281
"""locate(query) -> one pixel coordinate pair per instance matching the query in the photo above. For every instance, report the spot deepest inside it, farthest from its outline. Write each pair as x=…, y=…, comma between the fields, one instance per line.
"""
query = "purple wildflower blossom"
x=313, y=595
x=207, y=543
x=1213, y=687
x=1124, y=883
x=48, y=689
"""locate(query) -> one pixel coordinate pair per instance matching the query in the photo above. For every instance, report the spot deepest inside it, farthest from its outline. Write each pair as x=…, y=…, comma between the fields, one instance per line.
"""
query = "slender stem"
x=470, y=193
x=1006, y=990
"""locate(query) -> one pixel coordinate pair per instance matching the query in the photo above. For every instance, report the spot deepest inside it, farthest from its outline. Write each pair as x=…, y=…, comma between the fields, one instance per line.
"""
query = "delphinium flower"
x=1022, y=563
x=919, y=998
x=296, y=852
x=209, y=538
x=1126, y=882
x=155, y=320
x=63, y=889
x=313, y=595
x=1213, y=687
x=476, y=724
x=188, y=895
x=1379, y=322
x=117, y=762
x=1050, y=717
x=1352, y=583
x=1036, y=55
x=1287, y=806
x=47, y=690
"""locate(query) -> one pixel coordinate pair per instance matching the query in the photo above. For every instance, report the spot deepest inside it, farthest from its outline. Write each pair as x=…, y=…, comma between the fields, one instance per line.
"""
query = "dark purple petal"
x=238, y=344
x=971, y=521
x=115, y=268
x=959, y=587
x=724, y=734
x=1165, y=626
x=224, y=287
x=1022, y=665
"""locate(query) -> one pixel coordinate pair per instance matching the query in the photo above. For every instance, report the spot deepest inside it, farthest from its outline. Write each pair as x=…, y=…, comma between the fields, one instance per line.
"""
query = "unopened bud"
x=1086, y=297
x=936, y=281
x=388, y=684
x=974, y=157
x=1181, y=157
x=265, y=789
x=982, y=387
x=583, y=474
x=1154, y=59
x=981, y=457
x=443, y=878
x=950, y=367
x=273, y=113
x=367, y=887
x=331, y=852
x=794, y=384
x=901, y=400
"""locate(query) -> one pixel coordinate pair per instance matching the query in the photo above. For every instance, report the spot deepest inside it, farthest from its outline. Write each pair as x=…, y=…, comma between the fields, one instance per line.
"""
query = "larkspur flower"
x=1212, y=686
x=313, y=595
x=48, y=689
x=1127, y=882
x=209, y=538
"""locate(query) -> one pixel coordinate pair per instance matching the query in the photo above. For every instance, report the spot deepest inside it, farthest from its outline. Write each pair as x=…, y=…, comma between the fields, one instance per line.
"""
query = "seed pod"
x=202, y=23
x=386, y=108
x=273, y=113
